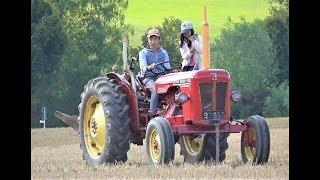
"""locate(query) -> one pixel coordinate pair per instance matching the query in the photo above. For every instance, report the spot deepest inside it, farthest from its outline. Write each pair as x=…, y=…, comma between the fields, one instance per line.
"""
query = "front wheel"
x=255, y=141
x=159, y=141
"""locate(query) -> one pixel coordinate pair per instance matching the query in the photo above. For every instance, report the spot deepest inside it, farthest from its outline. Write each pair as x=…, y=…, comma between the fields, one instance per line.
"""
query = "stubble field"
x=55, y=153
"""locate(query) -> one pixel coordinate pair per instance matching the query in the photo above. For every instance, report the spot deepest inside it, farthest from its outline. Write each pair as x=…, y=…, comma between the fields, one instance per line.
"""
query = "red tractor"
x=193, y=110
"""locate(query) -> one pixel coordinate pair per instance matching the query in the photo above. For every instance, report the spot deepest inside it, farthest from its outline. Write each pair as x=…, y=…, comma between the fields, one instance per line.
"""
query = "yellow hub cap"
x=94, y=127
x=155, y=146
x=250, y=151
x=193, y=144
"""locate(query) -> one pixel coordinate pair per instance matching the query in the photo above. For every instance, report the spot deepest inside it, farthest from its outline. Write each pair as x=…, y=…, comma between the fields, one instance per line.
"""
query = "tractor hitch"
x=72, y=121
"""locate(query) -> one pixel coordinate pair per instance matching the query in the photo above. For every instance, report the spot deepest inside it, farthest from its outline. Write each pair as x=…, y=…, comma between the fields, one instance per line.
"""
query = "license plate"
x=213, y=115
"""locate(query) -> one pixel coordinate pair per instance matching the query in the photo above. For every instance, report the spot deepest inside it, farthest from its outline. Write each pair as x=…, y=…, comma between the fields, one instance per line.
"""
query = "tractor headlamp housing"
x=235, y=96
x=181, y=98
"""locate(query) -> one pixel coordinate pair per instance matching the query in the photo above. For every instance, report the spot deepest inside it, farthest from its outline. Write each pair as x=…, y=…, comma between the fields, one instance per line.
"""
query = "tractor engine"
x=201, y=97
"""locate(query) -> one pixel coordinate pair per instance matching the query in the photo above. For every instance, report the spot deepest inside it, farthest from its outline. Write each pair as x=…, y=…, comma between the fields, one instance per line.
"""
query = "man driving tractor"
x=148, y=58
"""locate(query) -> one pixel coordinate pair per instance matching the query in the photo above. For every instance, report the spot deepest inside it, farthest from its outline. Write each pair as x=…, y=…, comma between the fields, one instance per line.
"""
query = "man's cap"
x=153, y=32
x=186, y=26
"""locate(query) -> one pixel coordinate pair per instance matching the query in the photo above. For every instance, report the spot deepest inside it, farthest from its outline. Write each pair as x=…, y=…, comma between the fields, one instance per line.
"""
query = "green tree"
x=48, y=43
x=93, y=32
x=170, y=40
x=280, y=9
x=277, y=103
x=245, y=50
x=278, y=29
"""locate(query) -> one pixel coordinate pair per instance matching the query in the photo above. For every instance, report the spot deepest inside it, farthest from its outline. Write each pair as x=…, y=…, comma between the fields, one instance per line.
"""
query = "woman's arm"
x=185, y=52
x=197, y=44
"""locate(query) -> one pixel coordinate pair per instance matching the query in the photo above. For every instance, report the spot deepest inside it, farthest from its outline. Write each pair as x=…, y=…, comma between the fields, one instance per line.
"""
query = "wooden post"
x=205, y=41
x=125, y=51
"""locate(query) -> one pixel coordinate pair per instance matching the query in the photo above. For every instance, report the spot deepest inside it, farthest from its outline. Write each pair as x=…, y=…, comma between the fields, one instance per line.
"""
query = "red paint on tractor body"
x=184, y=118
x=188, y=82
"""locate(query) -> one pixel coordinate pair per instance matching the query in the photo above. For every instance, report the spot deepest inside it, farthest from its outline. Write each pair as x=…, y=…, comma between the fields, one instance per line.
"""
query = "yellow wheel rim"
x=193, y=145
x=250, y=151
x=94, y=127
x=155, y=146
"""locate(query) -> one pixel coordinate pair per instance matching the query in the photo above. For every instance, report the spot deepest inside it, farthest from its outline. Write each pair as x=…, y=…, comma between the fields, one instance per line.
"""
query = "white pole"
x=125, y=52
x=43, y=116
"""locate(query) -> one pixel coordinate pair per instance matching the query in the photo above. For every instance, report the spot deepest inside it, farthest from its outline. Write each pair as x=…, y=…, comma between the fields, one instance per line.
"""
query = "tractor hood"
x=185, y=78
x=173, y=77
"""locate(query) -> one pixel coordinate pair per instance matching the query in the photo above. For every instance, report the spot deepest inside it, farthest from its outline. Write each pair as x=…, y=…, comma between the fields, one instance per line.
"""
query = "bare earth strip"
x=55, y=154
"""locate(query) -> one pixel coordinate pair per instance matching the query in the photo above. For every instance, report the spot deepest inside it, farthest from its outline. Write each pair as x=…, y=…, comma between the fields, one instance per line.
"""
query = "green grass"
x=145, y=13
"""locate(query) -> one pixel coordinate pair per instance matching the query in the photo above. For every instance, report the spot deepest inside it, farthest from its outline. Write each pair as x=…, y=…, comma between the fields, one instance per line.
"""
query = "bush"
x=245, y=50
x=277, y=103
x=72, y=42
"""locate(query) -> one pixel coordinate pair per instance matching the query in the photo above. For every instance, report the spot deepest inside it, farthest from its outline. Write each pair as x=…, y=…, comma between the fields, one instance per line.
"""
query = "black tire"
x=207, y=152
x=115, y=112
x=162, y=127
x=260, y=153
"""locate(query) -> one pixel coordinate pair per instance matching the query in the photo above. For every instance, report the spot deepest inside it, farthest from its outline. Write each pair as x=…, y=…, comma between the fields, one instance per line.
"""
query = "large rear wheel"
x=104, y=122
x=199, y=148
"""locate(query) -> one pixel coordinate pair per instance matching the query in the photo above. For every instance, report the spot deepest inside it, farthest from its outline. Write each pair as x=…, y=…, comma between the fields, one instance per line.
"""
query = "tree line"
x=75, y=41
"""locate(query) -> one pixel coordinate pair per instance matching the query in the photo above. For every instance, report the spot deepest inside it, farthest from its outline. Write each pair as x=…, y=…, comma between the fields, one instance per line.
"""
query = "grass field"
x=55, y=153
x=146, y=13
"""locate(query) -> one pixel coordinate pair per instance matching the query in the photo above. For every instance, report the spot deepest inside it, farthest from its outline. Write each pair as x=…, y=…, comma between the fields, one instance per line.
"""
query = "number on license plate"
x=213, y=115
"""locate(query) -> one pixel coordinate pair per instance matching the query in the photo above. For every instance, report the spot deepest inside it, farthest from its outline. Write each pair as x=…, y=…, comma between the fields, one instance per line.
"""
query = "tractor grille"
x=213, y=97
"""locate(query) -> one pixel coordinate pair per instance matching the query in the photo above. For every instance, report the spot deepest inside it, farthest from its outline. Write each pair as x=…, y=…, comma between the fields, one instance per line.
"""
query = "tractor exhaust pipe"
x=205, y=40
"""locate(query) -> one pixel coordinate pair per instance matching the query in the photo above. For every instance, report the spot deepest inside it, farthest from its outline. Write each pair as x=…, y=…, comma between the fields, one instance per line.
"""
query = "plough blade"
x=70, y=120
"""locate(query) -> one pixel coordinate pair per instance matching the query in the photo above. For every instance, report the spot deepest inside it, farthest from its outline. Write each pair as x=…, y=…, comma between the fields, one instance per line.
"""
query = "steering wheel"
x=157, y=65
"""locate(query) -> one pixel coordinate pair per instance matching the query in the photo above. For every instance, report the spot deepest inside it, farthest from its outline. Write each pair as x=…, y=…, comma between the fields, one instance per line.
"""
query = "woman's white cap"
x=185, y=26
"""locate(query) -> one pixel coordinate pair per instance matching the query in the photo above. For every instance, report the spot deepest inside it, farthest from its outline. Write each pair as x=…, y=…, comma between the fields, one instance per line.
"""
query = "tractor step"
x=72, y=121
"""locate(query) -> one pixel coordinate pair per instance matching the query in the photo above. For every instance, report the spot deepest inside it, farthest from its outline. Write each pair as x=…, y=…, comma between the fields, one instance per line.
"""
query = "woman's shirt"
x=196, y=55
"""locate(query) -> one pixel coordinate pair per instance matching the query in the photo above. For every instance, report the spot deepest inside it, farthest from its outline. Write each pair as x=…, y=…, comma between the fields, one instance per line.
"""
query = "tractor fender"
x=131, y=99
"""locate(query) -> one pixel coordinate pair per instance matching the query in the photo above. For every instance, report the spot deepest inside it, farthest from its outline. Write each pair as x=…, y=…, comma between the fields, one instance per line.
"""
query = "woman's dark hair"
x=183, y=38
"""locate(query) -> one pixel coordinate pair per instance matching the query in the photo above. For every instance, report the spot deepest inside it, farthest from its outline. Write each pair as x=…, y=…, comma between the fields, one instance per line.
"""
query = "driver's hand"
x=151, y=65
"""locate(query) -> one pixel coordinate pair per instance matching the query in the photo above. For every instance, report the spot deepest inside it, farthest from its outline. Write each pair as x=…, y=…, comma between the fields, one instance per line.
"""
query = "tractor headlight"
x=181, y=98
x=235, y=96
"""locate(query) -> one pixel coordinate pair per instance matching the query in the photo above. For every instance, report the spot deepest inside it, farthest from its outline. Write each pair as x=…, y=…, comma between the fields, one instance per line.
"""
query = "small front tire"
x=255, y=141
x=159, y=141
